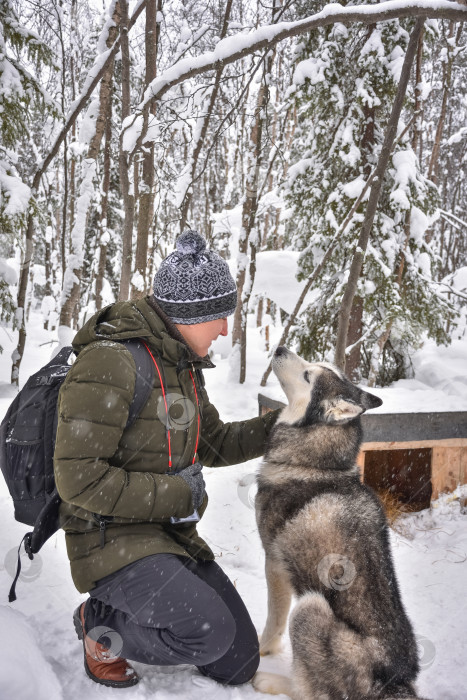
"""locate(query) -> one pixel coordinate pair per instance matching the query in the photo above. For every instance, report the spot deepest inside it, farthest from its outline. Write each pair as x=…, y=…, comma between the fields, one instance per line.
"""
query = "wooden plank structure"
x=414, y=456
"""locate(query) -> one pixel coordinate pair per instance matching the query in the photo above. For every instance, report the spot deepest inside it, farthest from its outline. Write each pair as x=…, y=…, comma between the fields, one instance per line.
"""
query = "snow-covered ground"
x=41, y=657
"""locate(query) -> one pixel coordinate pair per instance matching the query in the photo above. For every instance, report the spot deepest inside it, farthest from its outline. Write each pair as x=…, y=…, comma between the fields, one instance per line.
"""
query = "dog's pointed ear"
x=342, y=411
x=368, y=400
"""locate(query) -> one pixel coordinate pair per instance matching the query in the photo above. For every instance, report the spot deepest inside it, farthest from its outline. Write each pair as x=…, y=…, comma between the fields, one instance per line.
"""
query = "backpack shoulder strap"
x=144, y=377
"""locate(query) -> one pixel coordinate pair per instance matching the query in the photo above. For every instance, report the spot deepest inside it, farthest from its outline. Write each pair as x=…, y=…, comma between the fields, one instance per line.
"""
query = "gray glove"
x=193, y=477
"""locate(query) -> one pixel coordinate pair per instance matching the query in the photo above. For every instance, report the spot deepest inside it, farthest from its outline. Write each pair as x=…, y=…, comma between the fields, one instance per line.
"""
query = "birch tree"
x=97, y=115
x=146, y=197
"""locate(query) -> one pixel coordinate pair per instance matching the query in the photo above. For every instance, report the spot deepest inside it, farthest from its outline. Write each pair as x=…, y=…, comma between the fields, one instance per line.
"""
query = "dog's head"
x=318, y=392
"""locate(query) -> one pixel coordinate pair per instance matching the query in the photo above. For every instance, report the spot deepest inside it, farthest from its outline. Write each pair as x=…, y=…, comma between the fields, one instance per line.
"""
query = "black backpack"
x=27, y=443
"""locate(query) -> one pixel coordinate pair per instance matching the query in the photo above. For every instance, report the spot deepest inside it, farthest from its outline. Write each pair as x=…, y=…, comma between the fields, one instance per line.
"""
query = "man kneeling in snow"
x=132, y=494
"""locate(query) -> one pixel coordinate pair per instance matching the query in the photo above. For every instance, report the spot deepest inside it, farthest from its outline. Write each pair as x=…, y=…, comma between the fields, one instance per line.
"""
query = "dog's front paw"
x=271, y=683
x=271, y=645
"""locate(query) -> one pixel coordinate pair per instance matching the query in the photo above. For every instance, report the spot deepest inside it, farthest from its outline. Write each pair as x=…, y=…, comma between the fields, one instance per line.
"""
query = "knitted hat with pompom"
x=192, y=284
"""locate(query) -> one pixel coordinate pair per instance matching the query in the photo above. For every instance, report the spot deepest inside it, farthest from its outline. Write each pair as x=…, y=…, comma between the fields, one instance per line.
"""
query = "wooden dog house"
x=414, y=456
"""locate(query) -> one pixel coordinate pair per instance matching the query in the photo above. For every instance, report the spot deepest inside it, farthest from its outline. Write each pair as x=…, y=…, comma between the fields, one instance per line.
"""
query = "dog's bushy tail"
x=332, y=660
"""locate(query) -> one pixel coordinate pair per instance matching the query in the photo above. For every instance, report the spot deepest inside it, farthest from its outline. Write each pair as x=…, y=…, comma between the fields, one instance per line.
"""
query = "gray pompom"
x=191, y=243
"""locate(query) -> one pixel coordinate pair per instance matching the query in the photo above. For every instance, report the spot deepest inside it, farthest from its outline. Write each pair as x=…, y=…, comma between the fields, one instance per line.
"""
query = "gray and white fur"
x=326, y=541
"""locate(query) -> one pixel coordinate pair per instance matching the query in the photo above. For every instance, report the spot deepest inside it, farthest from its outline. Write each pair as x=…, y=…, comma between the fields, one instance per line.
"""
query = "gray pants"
x=169, y=610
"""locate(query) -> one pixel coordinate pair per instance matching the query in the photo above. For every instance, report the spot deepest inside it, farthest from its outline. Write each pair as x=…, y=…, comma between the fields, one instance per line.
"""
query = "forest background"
x=329, y=141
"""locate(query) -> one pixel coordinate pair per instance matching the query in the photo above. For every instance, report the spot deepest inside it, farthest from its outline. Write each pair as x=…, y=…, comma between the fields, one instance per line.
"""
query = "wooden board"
x=448, y=468
x=413, y=444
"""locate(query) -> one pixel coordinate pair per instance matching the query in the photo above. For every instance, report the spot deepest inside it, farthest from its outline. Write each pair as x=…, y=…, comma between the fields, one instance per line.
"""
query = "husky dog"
x=326, y=541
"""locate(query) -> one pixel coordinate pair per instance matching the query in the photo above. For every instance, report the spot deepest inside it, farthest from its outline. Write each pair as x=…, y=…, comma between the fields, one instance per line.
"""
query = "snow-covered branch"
x=235, y=47
x=92, y=80
x=452, y=219
x=451, y=290
x=238, y=46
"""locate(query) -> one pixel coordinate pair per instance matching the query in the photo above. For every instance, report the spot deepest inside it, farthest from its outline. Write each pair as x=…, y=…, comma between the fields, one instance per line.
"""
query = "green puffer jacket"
x=117, y=493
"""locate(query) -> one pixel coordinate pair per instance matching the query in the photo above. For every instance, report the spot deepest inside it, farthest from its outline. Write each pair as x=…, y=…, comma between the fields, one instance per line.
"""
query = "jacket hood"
x=140, y=319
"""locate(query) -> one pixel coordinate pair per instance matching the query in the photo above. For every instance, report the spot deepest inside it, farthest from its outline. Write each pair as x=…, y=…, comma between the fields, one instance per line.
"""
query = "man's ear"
x=341, y=411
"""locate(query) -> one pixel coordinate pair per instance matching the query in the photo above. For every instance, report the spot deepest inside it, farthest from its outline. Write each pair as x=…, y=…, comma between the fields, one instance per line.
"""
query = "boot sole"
x=109, y=684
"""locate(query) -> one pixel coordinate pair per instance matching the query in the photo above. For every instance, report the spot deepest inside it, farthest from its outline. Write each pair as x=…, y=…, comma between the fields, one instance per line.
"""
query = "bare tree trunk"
x=389, y=138
x=30, y=293
x=72, y=279
x=103, y=223
x=418, y=107
x=146, y=198
x=186, y=203
x=58, y=219
x=22, y=289
x=48, y=276
x=70, y=212
x=447, y=84
x=72, y=192
x=352, y=360
x=125, y=164
x=249, y=209
x=241, y=272
x=49, y=271
x=63, y=237
x=259, y=312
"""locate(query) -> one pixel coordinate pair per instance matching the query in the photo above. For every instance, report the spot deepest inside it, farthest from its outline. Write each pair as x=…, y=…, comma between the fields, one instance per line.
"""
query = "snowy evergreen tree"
x=22, y=98
x=444, y=147
x=22, y=53
x=345, y=80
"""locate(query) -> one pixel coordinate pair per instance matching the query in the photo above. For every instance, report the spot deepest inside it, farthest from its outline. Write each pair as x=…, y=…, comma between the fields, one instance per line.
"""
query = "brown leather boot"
x=99, y=662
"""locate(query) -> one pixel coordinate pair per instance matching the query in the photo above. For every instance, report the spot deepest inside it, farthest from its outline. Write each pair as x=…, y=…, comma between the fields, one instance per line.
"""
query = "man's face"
x=199, y=336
